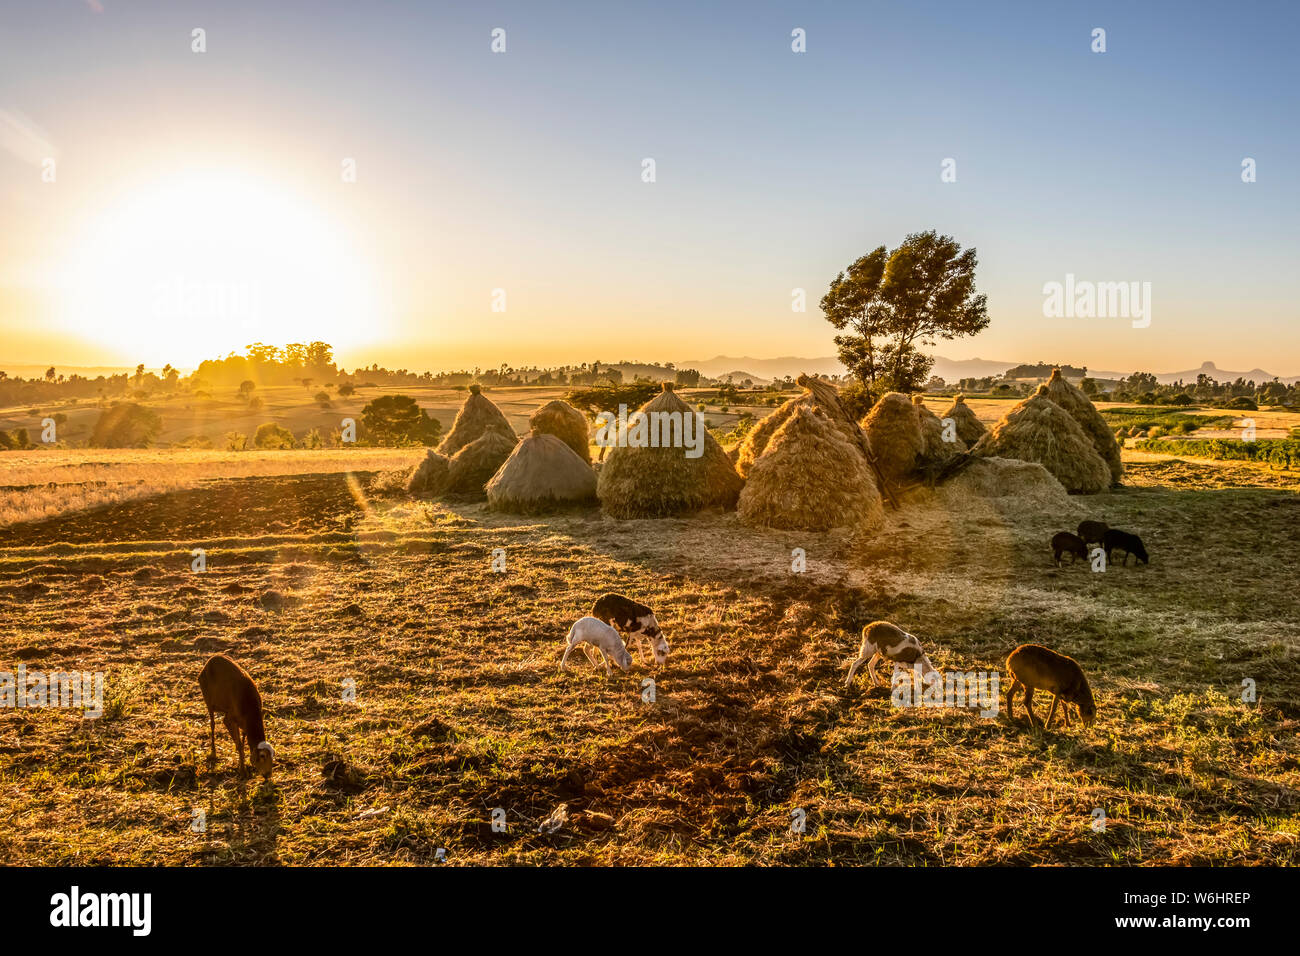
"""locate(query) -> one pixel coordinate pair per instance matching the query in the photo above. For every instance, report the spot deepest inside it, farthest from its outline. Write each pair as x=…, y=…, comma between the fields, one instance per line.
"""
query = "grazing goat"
x=228, y=690
x=1034, y=667
x=600, y=636
x=1128, y=543
x=1092, y=531
x=882, y=640
x=1065, y=543
x=634, y=620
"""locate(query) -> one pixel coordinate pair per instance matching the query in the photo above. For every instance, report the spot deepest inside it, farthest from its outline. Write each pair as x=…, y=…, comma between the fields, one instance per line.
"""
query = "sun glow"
x=202, y=264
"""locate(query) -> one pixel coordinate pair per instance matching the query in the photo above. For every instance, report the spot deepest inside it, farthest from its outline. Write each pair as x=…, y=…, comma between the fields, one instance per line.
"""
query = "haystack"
x=825, y=397
x=476, y=417
x=1074, y=401
x=969, y=428
x=811, y=477
x=564, y=422
x=541, y=474
x=935, y=451
x=429, y=477
x=474, y=465
x=1021, y=483
x=894, y=429
x=649, y=482
x=1040, y=430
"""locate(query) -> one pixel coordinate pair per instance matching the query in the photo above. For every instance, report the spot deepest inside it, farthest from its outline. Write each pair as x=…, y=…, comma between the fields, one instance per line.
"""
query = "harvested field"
x=459, y=708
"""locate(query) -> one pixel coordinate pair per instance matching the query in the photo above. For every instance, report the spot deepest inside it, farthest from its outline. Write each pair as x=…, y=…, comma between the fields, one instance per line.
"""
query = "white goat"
x=882, y=640
x=600, y=636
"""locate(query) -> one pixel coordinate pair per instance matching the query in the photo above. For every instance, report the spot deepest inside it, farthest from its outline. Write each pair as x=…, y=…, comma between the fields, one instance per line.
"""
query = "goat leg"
x=1029, y=707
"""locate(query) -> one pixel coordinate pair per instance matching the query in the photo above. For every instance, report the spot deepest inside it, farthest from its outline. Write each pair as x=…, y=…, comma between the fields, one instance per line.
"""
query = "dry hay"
x=429, y=477
x=564, y=422
x=969, y=428
x=474, y=465
x=476, y=417
x=934, y=450
x=1074, y=401
x=811, y=477
x=756, y=441
x=825, y=397
x=1039, y=430
x=646, y=482
x=542, y=474
x=894, y=429
x=1023, y=483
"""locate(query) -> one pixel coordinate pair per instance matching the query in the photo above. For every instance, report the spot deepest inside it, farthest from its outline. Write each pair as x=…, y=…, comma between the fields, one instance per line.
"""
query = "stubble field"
x=317, y=586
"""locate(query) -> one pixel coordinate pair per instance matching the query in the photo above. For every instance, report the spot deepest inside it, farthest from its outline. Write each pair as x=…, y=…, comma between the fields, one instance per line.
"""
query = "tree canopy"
x=399, y=420
x=890, y=303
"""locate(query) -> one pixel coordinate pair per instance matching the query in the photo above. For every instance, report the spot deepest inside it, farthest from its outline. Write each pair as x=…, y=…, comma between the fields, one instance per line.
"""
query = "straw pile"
x=541, y=474
x=645, y=482
x=894, y=430
x=476, y=417
x=1024, y=483
x=429, y=477
x=969, y=428
x=564, y=422
x=472, y=467
x=1085, y=413
x=934, y=450
x=810, y=477
x=1040, y=430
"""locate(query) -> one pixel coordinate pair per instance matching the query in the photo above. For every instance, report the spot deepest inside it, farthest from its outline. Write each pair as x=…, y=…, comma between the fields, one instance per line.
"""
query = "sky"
x=201, y=200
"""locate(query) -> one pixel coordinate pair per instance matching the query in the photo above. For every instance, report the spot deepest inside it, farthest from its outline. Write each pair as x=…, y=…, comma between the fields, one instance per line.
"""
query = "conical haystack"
x=1085, y=413
x=969, y=428
x=474, y=465
x=935, y=451
x=429, y=477
x=811, y=477
x=476, y=417
x=541, y=474
x=564, y=422
x=639, y=480
x=818, y=394
x=894, y=430
x=1040, y=430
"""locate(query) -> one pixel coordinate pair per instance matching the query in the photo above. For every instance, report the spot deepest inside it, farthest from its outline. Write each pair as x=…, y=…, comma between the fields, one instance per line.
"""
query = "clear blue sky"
x=775, y=169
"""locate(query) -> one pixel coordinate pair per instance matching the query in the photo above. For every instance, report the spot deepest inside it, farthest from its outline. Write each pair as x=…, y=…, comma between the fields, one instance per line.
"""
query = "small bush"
x=271, y=435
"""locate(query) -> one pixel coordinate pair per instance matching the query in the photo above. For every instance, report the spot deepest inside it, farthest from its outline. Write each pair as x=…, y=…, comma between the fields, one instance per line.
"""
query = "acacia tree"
x=399, y=420
x=890, y=303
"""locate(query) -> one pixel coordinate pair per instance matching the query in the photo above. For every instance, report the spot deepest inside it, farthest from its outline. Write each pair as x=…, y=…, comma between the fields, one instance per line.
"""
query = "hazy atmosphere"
x=587, y=435
x=522, y=172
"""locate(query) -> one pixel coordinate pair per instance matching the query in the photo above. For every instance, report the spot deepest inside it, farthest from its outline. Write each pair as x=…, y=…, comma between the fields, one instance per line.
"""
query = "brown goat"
x=228, y=690
x=1034, y=667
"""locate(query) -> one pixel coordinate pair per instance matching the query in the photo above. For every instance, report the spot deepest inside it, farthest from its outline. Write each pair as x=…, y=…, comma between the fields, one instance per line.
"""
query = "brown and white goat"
x=228, y=690
x=884, y=641
x=1035, y=667
x=635, y=620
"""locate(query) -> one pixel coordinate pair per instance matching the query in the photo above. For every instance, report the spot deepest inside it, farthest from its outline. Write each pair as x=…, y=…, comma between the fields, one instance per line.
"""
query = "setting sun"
x=208, y=261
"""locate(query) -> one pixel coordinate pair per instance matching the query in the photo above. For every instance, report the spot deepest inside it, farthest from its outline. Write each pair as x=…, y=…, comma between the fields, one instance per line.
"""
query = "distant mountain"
x=953, y=370
x=948, y=369
x=1256, y=375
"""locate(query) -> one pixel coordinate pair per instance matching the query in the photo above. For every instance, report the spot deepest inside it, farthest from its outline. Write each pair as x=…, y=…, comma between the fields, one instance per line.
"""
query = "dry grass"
x=459, y=708
x=35, y=485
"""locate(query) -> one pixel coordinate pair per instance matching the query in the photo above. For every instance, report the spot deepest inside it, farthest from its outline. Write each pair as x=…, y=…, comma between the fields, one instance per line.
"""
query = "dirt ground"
x=323, y=590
